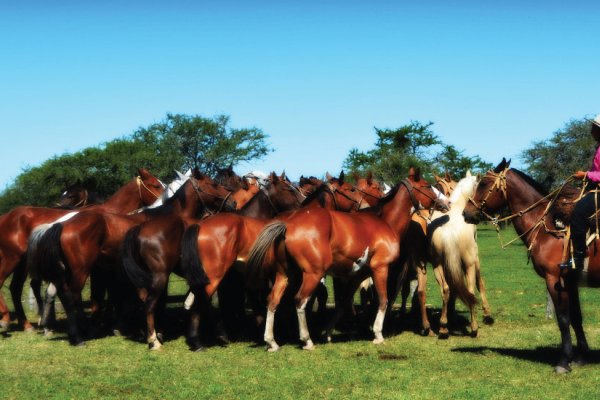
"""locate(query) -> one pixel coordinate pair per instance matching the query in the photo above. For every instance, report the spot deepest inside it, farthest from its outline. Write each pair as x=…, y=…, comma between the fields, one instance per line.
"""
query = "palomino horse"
x=454, y=255
x=17, y=225
x=321, y=241
x=223, y=240
x=527, y=203
x=90, y=241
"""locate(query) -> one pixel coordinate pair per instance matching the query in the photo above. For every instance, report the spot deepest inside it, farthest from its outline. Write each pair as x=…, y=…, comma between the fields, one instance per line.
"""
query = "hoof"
x=309, y=345
x=29, y=329
x=425, y=332
x=488, y=320
x=198, y=349
x=223, y=339
x=117, y=332
x=4, y=325
x=378, y=341
x=154, y=346
x=272, y=347
x=559, y=369
x=48, y=332
x=443, y=335
x=78, y=343
x=474, y=334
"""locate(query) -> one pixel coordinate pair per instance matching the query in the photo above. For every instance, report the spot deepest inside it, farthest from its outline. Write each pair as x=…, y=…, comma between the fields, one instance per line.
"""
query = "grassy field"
x=511, y=359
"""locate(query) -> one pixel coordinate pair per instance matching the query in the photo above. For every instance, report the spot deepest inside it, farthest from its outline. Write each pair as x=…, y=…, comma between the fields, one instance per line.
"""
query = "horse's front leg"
x=471, y=278
x=422, y=292
x=560, y=297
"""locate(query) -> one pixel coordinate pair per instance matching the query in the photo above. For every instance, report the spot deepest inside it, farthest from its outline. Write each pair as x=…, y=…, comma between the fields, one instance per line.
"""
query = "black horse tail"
x=140, y=277
x=272, y=233
x=44, y=254
x=191, y=266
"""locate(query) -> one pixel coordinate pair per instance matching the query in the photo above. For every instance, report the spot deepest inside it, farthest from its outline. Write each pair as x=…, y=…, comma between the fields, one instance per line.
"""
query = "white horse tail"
x=455, y=274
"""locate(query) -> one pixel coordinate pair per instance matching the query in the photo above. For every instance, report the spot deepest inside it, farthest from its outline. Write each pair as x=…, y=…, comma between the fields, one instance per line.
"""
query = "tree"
x=209, y=144
x=177, y=143
x=552, y=161
x=414, y=144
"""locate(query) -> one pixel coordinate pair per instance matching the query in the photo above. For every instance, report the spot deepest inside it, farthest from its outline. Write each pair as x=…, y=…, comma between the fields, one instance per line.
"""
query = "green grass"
x=511, y=359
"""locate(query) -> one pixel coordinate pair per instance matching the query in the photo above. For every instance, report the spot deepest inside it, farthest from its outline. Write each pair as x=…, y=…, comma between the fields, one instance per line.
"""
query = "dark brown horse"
x=78, y=195
x=17, y=225
x=527, y=202
x=91, y=241
x=355, y=245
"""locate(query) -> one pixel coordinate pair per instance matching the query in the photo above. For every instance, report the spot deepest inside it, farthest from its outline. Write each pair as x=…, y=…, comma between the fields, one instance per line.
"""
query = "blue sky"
x=315, y=76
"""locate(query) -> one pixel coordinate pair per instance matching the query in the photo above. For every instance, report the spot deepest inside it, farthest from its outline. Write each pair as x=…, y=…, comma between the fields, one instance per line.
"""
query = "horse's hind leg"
x=380, y=275
x=16, y=290
x=471, y=277
x=577, y=320
x=281, y=282
x=561, y=304
x=487, y=312
x=5, y=321
x=48, y=317
x=445, y=290
x=309, y=283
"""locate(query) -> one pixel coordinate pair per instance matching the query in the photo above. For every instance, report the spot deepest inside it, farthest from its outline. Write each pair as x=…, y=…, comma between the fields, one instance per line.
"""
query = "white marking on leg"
x=269, y=335
x=189, y=300
x=304, y=335
x=378, y=325
x=361, y=262
x=153, y=342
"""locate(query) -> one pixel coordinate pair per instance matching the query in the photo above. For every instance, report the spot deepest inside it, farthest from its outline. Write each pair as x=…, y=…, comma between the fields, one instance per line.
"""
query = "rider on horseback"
x=586, y=207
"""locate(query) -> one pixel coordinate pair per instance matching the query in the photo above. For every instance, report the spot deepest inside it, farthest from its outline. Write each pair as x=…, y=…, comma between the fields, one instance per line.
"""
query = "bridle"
x=333, y=190
x=365, y=193
x=411, y=189
x=207, y=211
x=499, y=184
x=141, y=184
x=447, y=186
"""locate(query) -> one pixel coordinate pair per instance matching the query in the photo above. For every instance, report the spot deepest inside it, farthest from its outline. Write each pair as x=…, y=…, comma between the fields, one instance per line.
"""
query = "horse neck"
x=126, y=199
x=258, y=207
x=396, y=211
x=520, y=195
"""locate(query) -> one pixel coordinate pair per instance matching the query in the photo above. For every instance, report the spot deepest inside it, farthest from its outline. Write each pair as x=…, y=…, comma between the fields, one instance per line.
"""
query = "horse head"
x=150, y=187
x=490, y=194
x=463, y=191
x=371, y=189
x=422, y=193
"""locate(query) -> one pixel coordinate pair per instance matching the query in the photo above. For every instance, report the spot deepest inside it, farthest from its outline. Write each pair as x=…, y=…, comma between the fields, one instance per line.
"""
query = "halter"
x=365, y=193
x=411, y=189
x=208, y=212
x=447, y=186
x=82, y=202
x=141, y=184
x=500, y=185
x=333, y=190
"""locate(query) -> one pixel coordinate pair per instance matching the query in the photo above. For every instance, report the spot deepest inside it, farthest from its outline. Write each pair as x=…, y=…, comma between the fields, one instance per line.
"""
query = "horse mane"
x=532, y=182
x=389, y=196
x=316, y=194
x=167, y=206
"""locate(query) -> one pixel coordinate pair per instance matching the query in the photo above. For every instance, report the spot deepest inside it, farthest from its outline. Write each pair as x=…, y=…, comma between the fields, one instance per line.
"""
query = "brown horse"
x=78, y=196
x=90, y=241
x=355, y=245
x=151, y=252
x=17, y=225
x=526, y=201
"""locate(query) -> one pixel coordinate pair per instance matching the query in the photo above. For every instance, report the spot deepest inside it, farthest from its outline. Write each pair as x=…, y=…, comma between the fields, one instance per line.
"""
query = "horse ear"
x=180, y=176
x=197, y=174
x=142, y=172
x=502, y=166
x=447, y=176
x=355, y=176
x=508, y=162
x=417, y=174
x=274, y=178
x=411, y=171
x=341, y=178
x=283, y=177
x=468, y=173
x=328, y=176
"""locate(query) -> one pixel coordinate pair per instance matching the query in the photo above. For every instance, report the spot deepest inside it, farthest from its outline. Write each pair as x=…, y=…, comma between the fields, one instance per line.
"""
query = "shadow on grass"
x=542, y=355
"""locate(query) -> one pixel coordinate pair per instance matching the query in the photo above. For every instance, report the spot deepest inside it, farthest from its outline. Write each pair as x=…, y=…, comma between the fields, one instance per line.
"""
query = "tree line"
x=182, y=141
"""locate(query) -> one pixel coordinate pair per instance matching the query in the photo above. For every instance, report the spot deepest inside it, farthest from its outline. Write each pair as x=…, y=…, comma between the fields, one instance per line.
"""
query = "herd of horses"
x=278, y=236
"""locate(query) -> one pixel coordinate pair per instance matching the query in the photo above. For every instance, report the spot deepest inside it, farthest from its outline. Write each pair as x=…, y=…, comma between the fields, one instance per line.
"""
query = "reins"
x=500, y=185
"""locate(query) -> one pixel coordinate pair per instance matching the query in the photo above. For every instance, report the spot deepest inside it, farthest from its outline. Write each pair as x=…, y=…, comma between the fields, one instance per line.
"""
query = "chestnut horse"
x=150, y=254
x=354, y=245
x=90, y=241
x=17, y=225
x=527, y=202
